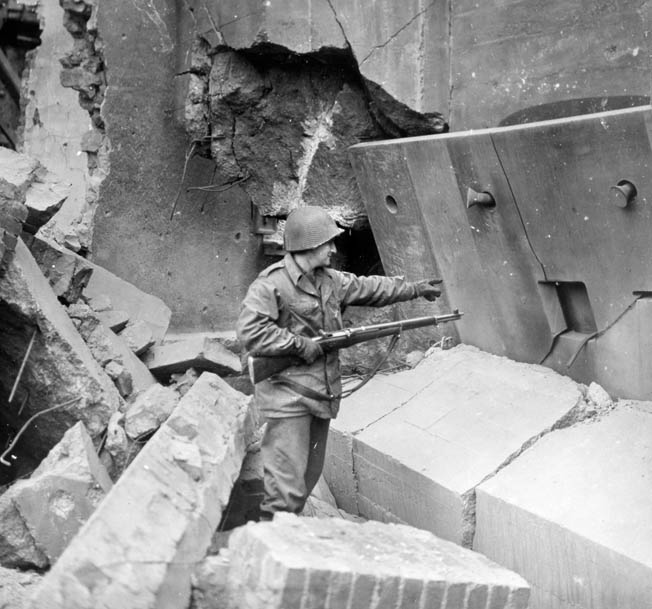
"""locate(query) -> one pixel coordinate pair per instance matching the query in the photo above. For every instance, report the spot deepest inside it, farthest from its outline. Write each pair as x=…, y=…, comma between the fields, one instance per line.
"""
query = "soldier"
x=289, y=302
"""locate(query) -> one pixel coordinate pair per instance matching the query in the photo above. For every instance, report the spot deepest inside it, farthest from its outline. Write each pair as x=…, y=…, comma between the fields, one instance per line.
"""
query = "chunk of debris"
x=117, y=443
x=197, y=351
x=16, y=587
x=59, y=369
x=106, y=346
x=127, y=297
x=181, y=383
x=42, y=514
x=149, y=410
x=114, y=320
x=174, y=503
x=121, y=378
x=67, y=272
x=297, y=562
x=138, y=336
x=43, y=199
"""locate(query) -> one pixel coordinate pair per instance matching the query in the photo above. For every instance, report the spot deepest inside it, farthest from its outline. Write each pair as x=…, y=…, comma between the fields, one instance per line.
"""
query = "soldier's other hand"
x=427, y=289
x=309, y=350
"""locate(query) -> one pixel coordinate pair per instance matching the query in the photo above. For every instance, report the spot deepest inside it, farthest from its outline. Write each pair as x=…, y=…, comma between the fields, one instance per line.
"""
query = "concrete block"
x=67, y=272
x=424, y=438
x=193, y=351
x=43, y=513
x=127, y=297
x=572, y=513
x=146, y=413
x=146, y=559
x=138, y=336
x=297, y=562
x=106, y=346
x=113, y=319
x=43, y=199
x=60, y=366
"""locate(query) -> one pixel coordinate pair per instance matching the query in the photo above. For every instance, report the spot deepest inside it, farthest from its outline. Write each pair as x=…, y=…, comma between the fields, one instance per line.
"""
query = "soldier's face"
x=323, y=254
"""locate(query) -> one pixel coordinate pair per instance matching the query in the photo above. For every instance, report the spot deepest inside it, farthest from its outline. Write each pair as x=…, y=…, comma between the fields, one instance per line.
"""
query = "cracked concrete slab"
x=572, y=514
x=421, y=440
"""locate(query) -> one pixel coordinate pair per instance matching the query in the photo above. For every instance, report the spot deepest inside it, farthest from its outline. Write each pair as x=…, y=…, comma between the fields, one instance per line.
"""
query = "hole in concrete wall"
x=576, y=307
x=391, y=204
x=357, y=253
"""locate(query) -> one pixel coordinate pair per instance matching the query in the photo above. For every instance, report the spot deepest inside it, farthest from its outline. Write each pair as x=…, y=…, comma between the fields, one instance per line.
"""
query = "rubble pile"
x=80, y=404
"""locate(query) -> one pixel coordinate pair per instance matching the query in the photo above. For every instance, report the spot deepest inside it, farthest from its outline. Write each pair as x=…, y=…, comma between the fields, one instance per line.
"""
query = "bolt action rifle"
x=262, y=367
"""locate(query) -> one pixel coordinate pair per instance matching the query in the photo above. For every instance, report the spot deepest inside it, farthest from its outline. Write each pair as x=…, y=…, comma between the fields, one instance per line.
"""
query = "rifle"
x=262, y=367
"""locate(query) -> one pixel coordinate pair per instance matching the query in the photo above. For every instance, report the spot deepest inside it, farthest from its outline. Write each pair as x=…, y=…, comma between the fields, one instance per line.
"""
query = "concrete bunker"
x=237, y=121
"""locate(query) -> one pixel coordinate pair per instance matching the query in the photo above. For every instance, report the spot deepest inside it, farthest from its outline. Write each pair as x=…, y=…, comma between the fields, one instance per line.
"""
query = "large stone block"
x=192, y=351
x=572, y=514
x=42, y=514
x=421, y=440
x=67, y=272
x=60, y=368
x=297, y=562
x=174, y=493
x=127, y=297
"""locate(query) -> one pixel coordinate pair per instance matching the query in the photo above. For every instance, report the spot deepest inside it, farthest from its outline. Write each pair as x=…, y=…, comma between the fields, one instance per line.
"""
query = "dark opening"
x=357, y=253
x=576, y=307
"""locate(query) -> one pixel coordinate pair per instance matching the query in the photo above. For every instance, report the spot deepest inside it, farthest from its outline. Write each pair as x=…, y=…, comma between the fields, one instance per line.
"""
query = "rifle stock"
x=262, y=367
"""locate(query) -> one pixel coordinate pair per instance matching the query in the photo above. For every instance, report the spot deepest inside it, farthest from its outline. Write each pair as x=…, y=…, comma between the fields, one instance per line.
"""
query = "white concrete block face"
x=572, y=514
x=426, y=437
x=139, y=547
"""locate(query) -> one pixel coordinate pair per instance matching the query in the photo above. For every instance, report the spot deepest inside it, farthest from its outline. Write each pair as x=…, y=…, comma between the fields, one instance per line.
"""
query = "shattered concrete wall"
x=215, y=113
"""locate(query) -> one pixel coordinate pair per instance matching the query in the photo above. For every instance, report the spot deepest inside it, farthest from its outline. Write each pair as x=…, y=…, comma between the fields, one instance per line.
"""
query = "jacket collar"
x=298, y=277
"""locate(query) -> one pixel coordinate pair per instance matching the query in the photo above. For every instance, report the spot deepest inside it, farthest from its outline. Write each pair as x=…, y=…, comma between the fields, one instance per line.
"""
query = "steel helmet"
x=308, y=227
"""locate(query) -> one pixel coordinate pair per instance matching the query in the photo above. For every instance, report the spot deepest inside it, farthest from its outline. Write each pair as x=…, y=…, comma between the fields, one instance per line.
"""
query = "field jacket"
x=282, y=303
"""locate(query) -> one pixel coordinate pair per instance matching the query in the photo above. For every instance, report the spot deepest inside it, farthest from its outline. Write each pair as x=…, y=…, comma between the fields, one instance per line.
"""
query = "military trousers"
x=293, y=451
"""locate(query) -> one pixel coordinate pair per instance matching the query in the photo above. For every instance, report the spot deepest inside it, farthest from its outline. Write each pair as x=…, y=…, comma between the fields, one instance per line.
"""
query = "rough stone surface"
x=149, y=410
x=60, y=367
x=199, y=352
x=15, y=587
x=174, y=493
x=411, y=447
x=67, y=272
x=44, y=198
x=118, y=445
x=53, y=127
x=127, y=297
x=296, y=562
x=113, y=319
x=209, y=589
x=42, y=514
x=108, y=347
x=138, y=336
x=263, y=112
x=571, y=514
